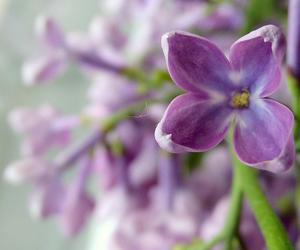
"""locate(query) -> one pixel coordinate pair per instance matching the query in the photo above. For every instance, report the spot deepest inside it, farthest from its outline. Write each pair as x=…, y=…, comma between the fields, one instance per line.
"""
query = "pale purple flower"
x=222, y=91
x=225, y=17
x=136, y=167
x=216, y=165
x=49, y=33
x=42, y=128
x=146, y=228
x=47, y=197
x=112, y=91
x=28, y=170
x=61, y=49
x=44, y=68
x=77, y=205
x=248, y=231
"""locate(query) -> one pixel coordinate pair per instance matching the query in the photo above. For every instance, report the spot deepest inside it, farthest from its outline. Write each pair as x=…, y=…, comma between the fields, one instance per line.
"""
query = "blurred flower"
x=220, y=92
x=28, y=170
x=77, y=205
x=59, y=50
x=47, y=197
x=224, y=17
x=42, y=128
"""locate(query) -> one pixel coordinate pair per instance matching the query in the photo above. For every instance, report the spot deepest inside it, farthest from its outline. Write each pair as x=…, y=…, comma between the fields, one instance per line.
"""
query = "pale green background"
x=17, y=230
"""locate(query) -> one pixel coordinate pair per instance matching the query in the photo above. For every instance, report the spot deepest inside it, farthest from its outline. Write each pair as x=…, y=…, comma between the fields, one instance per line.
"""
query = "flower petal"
x=284, y=161
x=193, y=123
x=256, y=58
x=49, y=32
x=262, y=131
x=43, y=69
x=195, y=64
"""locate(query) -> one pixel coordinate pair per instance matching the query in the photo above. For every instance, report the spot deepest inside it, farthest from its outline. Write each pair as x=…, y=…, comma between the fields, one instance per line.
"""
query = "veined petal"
x=193, y=123
x=256, y=58
x=262, y=131
x=195, y=64
x=285, y=160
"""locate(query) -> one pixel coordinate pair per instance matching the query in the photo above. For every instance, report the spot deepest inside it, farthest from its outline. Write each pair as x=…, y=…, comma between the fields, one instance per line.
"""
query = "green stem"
x=147, y=81
x=230, y=229
x=132, y=111
x=232, y=223
x=272, y=229
x=294, y=88
x=209, y=245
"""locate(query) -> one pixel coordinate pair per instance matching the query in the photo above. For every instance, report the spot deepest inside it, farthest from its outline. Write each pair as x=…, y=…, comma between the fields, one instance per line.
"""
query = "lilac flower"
x=216, y=165
x=215, y=222
x=78, y=205
x=224, y=17
x=124, y=92
x=222, y=91
x=26, y=170
x=47, y=197
x=42, y=128
x=60, y=49
x=145, y=228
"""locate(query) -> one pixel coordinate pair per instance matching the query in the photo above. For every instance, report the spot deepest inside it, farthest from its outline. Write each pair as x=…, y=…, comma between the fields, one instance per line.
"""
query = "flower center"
x=240, y=100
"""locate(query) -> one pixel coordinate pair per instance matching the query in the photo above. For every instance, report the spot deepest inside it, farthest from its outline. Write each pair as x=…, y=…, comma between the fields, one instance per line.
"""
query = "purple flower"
x=47, y=197
x=222, y=91
x=42, y=128
x=61, y=49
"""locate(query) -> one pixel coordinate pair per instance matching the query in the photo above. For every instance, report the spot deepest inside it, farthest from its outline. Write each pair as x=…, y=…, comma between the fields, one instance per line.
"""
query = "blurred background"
x=17, y=230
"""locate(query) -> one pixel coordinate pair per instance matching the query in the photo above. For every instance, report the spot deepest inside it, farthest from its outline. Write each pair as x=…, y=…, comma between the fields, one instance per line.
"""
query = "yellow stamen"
x=240, y=100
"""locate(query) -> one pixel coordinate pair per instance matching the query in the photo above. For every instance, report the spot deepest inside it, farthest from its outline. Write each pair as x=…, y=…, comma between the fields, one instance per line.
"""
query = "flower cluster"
x=143, y=141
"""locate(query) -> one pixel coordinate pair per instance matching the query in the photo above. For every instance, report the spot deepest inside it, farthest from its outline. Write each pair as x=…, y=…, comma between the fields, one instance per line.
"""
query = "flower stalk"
x=232, y=224
x=272, y=229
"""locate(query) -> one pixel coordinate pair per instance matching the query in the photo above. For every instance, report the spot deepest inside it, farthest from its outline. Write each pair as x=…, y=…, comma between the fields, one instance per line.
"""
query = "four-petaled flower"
x=223, y=91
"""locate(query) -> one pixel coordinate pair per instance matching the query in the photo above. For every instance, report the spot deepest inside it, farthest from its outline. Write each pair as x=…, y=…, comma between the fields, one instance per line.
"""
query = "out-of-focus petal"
x=143, y=169
x=256, y=58
x=193, y=123
x=25, y=120
x=76, y=210
x=43, y=69
x=47, y=198
x=26, y=170
x=196, y=64
x=78, y=205
x=262, y=131
x=49, y=32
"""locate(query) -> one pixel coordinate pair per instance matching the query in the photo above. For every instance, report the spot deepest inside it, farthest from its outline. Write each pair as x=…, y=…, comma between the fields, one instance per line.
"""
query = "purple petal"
x=49, y=32
x=193, y=123
x=28, y=170
x=284, y=161
x=262, y=131
x=76, y=211
x=44, y=69
x=256, y=58
x=195, y=64
x=78, y=205
x=143, y=169
x=47, y=198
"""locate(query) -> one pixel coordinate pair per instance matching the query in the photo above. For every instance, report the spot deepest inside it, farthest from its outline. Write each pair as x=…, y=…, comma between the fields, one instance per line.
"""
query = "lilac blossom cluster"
x=158, y=190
